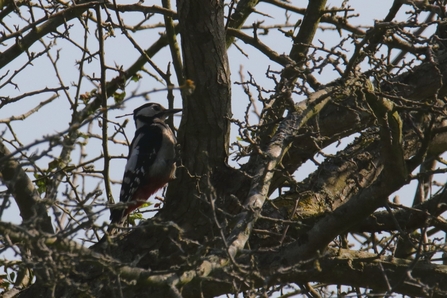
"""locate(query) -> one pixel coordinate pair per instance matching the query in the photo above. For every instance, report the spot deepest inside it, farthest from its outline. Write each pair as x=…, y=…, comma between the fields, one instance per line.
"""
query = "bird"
x=151, y=160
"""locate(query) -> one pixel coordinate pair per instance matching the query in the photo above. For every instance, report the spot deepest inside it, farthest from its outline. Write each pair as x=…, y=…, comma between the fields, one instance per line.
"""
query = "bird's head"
x=148, y=113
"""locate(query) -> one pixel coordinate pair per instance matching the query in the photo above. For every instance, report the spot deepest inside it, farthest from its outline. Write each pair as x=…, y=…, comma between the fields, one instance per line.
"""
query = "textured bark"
x=203, y=135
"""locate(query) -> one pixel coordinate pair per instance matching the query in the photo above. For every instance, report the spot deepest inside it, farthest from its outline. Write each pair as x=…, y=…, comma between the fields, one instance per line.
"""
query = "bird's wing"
x=143, y=152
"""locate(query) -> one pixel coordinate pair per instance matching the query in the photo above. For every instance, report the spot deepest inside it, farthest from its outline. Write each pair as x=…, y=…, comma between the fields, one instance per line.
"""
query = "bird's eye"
x=156, y=108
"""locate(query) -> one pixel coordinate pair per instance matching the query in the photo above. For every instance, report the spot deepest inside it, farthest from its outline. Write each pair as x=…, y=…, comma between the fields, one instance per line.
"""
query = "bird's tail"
x=117, y=215
x=117, y=219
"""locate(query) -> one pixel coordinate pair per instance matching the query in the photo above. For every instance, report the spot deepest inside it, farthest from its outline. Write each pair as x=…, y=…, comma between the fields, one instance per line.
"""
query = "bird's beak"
x=172, y=111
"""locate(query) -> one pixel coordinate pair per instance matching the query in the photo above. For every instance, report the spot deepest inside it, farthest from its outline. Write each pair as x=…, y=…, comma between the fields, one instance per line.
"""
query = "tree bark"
x=203, y=135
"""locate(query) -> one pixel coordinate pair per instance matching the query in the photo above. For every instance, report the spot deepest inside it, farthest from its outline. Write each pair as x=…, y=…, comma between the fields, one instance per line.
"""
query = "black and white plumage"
x=151, y=161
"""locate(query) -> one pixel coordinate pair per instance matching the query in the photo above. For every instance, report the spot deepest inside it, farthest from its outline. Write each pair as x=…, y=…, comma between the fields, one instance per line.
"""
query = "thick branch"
x=392, y=152
x=266, y=165
x=419, y=216
x=362, y=269
x=243, y=9
x=32, y=209
x=308, y=28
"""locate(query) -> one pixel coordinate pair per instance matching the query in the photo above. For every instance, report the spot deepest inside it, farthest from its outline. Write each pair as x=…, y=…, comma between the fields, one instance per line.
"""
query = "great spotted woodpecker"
x=151, y=161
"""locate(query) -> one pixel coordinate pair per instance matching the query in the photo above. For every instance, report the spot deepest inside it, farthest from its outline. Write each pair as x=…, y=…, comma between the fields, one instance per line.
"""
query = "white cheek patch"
x=139, y=123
